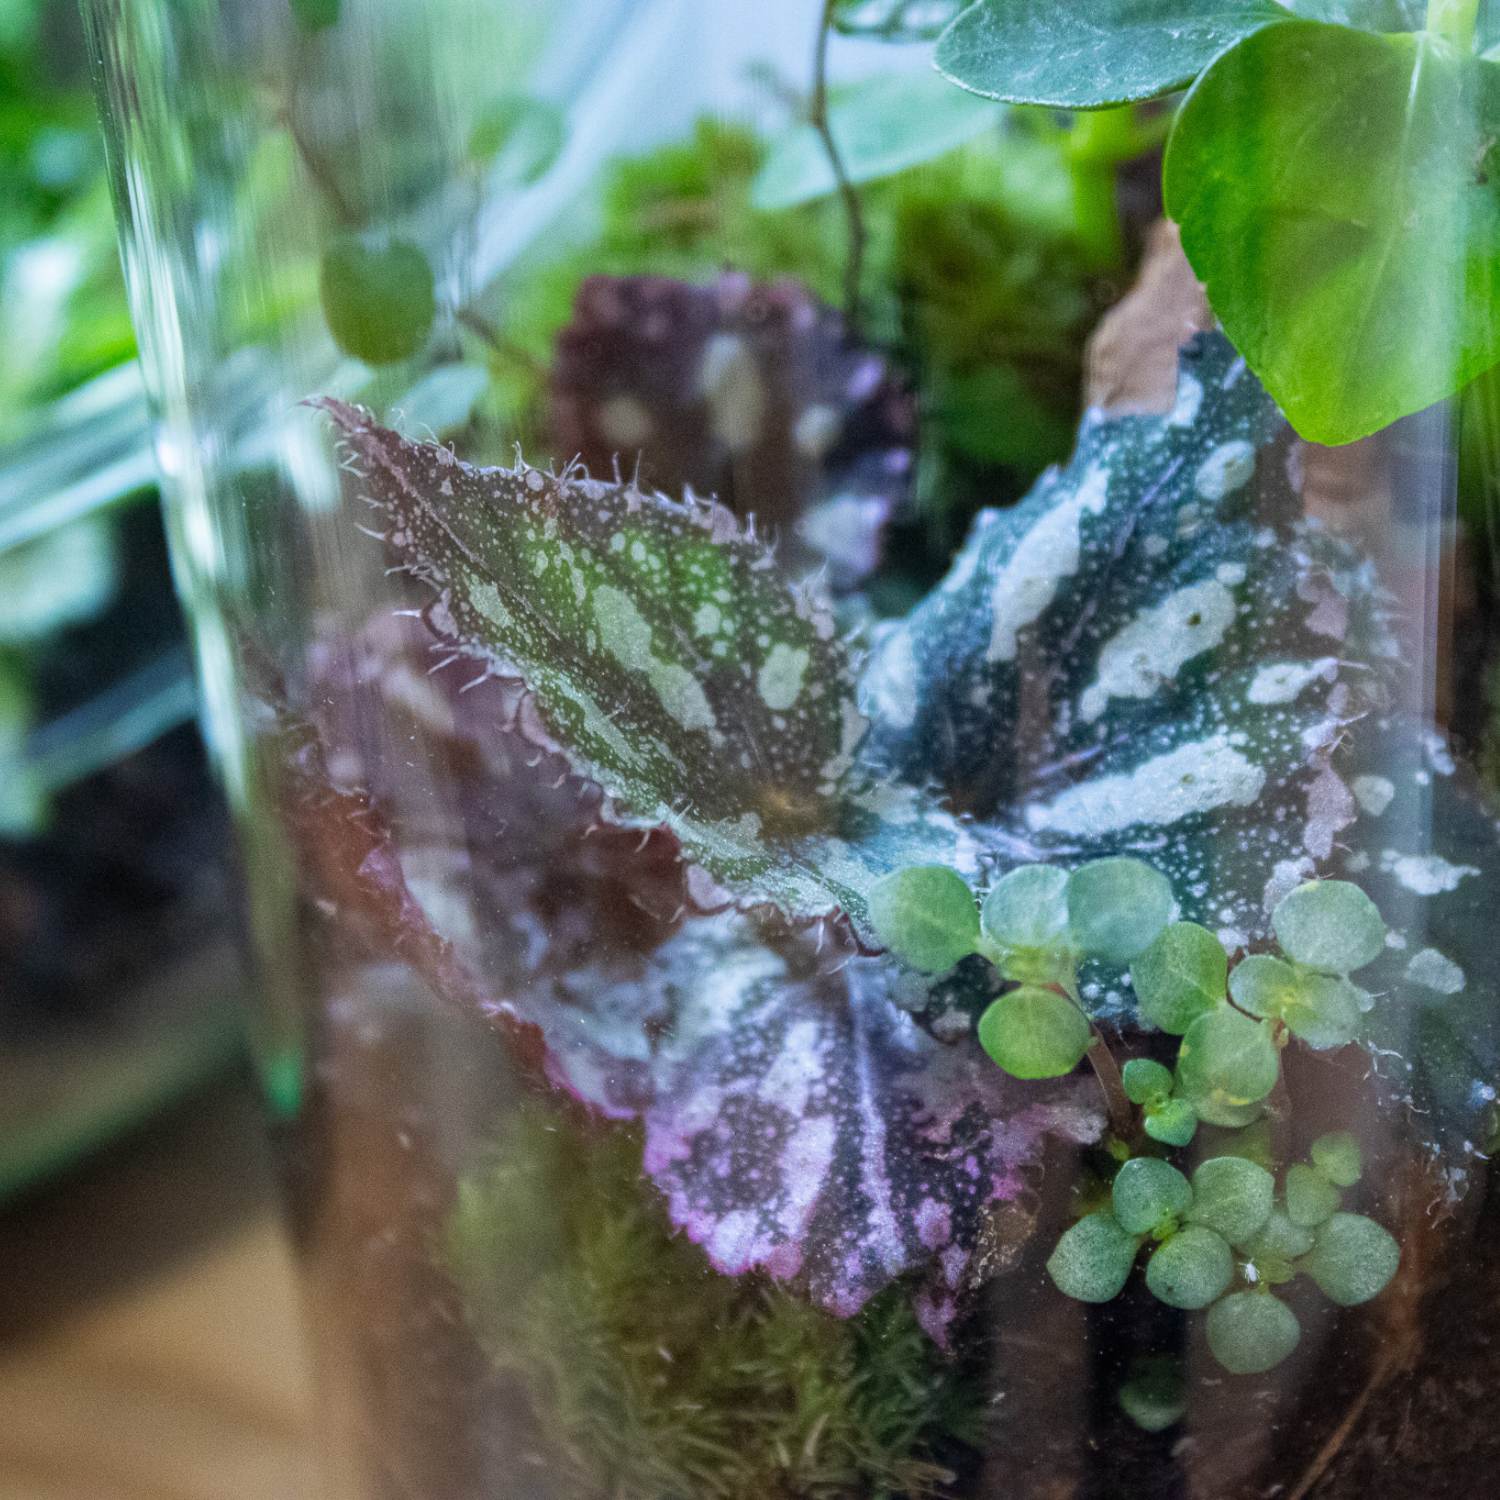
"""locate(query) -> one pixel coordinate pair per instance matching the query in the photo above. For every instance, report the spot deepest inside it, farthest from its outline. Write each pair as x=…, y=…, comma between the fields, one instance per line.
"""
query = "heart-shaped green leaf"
x=1249, y=1332
x=1329, y=925
x=1034, y=1033
x=926, y=915
x=1232, y=1197
x=1180, y=976
x=1082, y=56
x=1337, y=192
x=1147, y=1193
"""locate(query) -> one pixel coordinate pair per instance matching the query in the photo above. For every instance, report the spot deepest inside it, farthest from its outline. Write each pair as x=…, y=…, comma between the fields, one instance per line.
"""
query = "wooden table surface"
x=150, y=1342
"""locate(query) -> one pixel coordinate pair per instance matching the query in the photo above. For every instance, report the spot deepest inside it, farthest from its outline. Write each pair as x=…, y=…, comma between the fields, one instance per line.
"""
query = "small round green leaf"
x=1352, y=1259
x=1173, y=1122
x=1250, y=1332
x=1310, y=1197
x=1227, y=1058
x=1117, y=908
x=1180, y=976
x=1325, y=1012
x=1337, y=1156
x=1263, y=985
x=1146, y=1082
x=1154, y=1397
x=1189, y=1269
x=1092, y=1259
x=1028, y=908
x=925, y=914
x=1232, y=1197
x=1227, y=1116
x=1034, y=1033
x=1280, y=1236
x=378, y=300
x=1149, y=1193
x=1329, y=925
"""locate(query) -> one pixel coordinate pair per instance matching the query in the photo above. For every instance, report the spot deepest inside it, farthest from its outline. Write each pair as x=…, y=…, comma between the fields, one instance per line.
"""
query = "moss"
x=650, y=1375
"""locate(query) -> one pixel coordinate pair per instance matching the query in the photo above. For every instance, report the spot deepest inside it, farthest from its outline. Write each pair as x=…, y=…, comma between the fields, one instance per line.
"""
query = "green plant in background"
x=646, y=1373
x=1224, y=1227
x=1331, y=170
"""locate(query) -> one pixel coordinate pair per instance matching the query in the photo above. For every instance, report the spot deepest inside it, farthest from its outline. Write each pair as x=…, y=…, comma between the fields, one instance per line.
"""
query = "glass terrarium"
x=852, y=646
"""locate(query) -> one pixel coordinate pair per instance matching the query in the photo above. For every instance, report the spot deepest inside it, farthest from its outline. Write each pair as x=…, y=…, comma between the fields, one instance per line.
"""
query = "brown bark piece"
x=1131, y=361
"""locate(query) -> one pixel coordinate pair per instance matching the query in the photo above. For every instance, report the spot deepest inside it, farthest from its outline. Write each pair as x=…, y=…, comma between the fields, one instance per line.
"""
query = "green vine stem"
x=853, y=213
x=1454, y=21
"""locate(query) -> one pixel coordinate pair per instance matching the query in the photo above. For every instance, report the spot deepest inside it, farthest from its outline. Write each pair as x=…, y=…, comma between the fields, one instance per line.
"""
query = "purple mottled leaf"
x=664, y=650
x=752, y=393
x=798, y=1120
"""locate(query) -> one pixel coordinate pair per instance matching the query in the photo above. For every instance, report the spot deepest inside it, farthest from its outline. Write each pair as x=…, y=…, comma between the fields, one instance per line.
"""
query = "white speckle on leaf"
x=1373, y=793
x=1282, y=681
x=485, y=597
x=624, y=423
x=1189, y=399
x=1231, y=573
x=735, y=393
x=627, y=635
x=891, y=683
x=779, y=681
x=1189, y=780
x=1227, y=469
x=707, y=618
x=1435, y=971
x=1043, y=557
x=1153, y=647
x=1424, y=874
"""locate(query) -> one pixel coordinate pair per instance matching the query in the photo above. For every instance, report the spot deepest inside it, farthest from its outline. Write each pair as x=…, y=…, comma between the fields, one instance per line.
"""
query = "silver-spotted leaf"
x=671, y=659
x=1153, y=655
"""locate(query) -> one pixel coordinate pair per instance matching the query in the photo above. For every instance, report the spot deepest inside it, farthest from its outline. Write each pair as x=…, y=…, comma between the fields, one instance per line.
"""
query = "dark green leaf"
x=1081, y=56
x=1338, y=1157
x=1155, y=1396
x=1146, y=1082
x=1335, y=191
x=315, y=15
x=1173, y=1122
x=673, y=661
